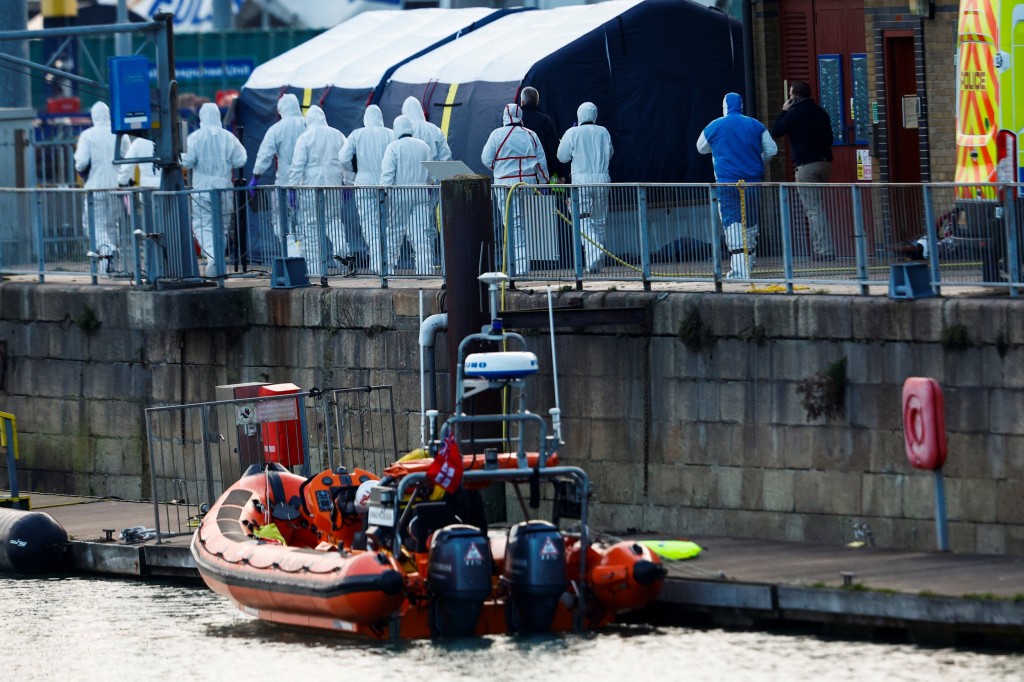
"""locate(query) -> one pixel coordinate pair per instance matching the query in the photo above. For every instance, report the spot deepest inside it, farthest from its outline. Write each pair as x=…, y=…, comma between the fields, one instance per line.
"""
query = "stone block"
x=701, y=521
x=1009, y=502
x=118, y=456
x=778, y=316
x=661, y=519
x=991, y=539
x=878, y=320
x=824, y=317
x=728, y=488
x=115, y=419
x=827, y=492
x=985, y=319
x=46, y=378
x=777, y=494
x=1005, y=415
x=882, y=495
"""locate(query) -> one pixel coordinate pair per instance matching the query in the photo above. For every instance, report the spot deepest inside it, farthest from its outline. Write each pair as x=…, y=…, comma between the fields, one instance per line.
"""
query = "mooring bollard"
x=924, y=433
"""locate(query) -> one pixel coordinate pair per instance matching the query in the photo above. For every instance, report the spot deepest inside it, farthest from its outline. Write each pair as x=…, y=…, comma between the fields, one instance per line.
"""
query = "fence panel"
x=196, y=451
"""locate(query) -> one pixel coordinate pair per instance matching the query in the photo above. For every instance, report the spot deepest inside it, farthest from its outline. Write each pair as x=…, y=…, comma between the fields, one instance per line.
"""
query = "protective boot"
x=741, y=260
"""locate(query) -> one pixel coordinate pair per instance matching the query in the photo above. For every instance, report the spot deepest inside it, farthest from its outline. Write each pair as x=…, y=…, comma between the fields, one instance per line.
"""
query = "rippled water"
x=92, y=629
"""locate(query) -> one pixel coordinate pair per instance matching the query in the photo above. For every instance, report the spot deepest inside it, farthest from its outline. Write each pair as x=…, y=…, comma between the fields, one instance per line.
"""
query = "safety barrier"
x=197, y=450
x=9, y=442
x=779, y=237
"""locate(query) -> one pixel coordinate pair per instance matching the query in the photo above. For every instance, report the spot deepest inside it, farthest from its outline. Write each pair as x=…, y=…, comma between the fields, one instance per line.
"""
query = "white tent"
x=340, y=68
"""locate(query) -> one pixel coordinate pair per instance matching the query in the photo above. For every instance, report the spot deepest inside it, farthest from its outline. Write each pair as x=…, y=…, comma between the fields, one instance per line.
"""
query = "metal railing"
x=197, y=450
x=805, y=236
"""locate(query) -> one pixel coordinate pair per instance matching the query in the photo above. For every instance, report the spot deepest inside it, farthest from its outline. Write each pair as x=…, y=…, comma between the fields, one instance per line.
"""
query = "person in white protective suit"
x=362, y=154
x=94, y=160
x=410, y=208
x=588, y=147
x=149, y=173
x=317, y=163
x=740, y=146
x=516, y=155
x=279, y=143
x=211, y=153
x=422, y=129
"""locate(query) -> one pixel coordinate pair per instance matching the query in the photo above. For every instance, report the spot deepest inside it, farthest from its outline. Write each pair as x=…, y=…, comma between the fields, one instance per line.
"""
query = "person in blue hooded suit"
x=740, y=146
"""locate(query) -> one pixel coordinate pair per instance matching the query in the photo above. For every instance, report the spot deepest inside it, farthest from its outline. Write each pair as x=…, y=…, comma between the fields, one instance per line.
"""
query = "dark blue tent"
x=656, y=69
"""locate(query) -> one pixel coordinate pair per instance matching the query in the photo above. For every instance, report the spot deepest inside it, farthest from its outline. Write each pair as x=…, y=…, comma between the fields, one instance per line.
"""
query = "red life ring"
x=924, y=423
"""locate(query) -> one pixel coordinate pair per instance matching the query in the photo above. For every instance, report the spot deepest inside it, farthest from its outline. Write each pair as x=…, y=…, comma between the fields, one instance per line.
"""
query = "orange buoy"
x=924, y=423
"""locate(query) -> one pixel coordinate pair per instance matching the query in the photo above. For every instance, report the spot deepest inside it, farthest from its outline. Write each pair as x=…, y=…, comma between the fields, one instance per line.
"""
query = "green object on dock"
x=674, y=550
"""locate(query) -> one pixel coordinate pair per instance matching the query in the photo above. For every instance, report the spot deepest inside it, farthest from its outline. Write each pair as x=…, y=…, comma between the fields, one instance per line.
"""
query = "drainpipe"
x=429, y=329
x=750, y=99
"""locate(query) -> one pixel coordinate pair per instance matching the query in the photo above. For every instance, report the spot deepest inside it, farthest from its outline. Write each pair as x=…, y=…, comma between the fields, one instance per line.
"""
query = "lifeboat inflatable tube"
x=31, y=542
x=924, y=423
x=290, y=582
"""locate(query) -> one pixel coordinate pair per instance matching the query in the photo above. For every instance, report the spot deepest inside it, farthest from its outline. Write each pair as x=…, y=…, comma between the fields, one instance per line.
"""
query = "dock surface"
x=752, y=580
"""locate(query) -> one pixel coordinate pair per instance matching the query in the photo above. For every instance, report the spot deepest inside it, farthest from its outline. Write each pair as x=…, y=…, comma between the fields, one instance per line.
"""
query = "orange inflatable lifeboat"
x=411, y=554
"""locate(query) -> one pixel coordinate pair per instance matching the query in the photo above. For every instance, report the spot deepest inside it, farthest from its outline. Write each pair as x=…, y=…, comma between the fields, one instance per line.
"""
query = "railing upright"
x=37, y=223
x=645, y=242
x=577, y=237
x=90, y=209
x=932, y=238
x=220, y=265
x=1012, y=243
x=860, y=239
x=787, y=237
x=716, y=241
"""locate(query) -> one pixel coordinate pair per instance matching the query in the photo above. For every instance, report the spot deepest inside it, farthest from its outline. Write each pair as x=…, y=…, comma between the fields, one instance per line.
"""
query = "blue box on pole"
x=130, y=106
x=908, y=281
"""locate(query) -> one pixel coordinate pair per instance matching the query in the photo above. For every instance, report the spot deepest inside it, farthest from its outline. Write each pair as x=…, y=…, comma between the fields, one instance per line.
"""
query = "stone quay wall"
x=699, y=423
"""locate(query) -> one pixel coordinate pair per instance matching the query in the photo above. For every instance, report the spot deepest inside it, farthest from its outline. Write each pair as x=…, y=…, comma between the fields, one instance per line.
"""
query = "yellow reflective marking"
x=446, y=117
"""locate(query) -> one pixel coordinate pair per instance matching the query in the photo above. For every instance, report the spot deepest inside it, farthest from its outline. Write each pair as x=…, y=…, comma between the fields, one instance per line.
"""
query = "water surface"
x=76, y=628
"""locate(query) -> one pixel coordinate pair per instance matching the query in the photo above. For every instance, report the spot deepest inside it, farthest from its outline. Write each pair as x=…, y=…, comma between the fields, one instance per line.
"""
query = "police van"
x=990, y=113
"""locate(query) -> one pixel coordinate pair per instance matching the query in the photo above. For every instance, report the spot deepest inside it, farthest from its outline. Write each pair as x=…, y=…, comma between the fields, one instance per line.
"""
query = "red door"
x=824, y=38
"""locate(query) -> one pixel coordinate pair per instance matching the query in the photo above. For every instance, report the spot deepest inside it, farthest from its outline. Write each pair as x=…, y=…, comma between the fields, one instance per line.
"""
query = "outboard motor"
x=459, y=574
x=535, y=574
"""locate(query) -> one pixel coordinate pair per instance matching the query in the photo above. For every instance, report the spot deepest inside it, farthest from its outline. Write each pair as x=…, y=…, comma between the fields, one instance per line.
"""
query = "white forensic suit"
x=94, y=159
x=279, y=143
x=516, y=155
x=362, y=154
x=588, y=147
x=211, y=153
x=422, y=129
x=410, y=211
x=149, y=174
x=317, y=163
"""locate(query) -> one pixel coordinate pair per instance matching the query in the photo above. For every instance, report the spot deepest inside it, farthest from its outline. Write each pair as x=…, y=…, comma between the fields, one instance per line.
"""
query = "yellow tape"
x=59, y=8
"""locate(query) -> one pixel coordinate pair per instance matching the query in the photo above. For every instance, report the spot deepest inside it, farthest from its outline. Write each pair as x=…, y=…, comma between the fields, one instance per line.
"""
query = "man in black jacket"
x=810, y=140
x=536, y=120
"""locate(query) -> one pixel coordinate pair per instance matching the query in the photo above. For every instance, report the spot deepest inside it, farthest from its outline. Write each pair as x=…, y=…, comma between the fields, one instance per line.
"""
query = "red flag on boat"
x=446, y=469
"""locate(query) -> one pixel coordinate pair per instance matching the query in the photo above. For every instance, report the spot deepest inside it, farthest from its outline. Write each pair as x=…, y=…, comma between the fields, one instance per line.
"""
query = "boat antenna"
x=556, y=411
x=423, y=381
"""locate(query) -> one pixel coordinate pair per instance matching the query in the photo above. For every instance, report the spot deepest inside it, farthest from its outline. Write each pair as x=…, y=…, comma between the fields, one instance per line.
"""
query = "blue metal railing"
x=806, y=235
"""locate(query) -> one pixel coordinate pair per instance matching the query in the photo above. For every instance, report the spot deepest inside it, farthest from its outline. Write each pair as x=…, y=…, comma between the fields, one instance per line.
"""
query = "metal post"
x=219, y=266
x=300, y=405
x=932, y=237
x=90, y=210
x=122, y=41
x=716, y=237
x=15, y=90
x=787, y=238
x=1012, y=243
x=941, y=530
x=37, y=221
x=383, y=241
x=860, y=240
x=211, y=497
x=577, y=238
x=645, y=240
